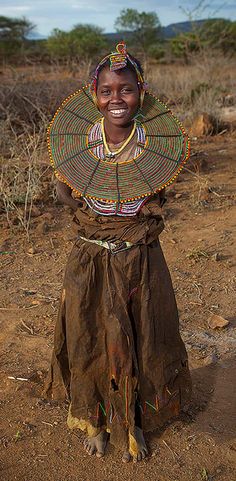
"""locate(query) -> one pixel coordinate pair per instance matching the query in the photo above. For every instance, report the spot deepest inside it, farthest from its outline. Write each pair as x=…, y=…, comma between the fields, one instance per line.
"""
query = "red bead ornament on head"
x=119, y=60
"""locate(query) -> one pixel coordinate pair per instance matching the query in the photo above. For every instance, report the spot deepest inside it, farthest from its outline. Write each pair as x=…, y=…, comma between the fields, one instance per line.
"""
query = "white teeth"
x=120, y=111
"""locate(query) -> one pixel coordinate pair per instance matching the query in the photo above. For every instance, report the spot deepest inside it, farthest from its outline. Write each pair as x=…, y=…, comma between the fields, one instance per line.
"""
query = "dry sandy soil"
x=198, y=243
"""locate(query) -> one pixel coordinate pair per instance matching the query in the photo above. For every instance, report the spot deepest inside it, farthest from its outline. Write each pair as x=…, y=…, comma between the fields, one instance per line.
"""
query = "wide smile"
x=118, y=113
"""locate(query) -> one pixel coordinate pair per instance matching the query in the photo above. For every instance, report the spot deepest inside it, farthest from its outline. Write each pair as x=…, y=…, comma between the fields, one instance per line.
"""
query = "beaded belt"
x=113, y=247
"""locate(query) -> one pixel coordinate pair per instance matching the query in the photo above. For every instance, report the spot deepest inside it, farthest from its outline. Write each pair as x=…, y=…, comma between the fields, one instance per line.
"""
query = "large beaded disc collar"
x=163, y=156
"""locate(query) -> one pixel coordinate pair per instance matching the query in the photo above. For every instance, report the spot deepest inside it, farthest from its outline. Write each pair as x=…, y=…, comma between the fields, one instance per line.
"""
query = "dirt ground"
x=198, y=243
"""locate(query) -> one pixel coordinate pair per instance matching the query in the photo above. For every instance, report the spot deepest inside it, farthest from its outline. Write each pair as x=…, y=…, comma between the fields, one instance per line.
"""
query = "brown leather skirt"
x=118, y=354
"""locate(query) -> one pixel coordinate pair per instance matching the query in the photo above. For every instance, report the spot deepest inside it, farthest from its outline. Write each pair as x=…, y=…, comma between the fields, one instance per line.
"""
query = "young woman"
x=118, y=354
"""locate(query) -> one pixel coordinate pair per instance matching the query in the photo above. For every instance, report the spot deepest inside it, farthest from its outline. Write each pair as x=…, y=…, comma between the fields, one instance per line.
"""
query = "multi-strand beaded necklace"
x=97, y=136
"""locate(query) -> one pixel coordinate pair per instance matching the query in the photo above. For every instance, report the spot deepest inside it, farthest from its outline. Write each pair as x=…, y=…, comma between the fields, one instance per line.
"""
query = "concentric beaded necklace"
x=109, y=154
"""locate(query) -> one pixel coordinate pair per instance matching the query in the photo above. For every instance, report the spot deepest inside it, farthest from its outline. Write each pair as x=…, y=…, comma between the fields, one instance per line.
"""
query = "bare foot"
x=126, y=457
x=142, y=450
x=97, y=444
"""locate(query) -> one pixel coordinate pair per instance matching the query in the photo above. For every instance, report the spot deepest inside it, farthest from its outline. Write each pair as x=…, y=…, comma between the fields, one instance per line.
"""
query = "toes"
x=126, y=457
x=144, y=453
x=87, y=447
x=96, y=445
x=91, y=450
x=100, y=454
x=140, y=456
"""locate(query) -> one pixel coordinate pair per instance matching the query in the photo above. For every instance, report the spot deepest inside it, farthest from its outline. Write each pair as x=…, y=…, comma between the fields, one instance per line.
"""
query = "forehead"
x=106, y=76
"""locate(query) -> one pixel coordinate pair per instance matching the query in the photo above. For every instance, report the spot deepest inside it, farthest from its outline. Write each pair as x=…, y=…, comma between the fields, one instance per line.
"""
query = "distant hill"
x=181, y=27
x=170, y=31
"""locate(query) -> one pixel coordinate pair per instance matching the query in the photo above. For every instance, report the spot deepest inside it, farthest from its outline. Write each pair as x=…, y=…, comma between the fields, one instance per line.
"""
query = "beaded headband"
x=118, y=60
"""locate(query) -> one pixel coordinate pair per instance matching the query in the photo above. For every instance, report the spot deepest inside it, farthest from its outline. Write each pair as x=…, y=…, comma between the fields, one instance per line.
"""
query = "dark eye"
x=105, y=92
x=127, y=89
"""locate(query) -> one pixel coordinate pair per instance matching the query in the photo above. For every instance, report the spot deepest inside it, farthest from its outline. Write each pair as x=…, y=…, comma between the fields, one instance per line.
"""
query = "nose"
x=116, y=97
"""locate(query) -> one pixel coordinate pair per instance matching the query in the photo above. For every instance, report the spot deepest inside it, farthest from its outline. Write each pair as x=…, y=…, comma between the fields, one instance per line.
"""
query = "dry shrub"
x=26, y=108
x=195, y=88
x=22, y=180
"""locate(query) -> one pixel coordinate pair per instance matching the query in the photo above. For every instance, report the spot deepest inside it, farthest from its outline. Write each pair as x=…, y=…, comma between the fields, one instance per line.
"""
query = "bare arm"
x=64, y=196
x=162, y=196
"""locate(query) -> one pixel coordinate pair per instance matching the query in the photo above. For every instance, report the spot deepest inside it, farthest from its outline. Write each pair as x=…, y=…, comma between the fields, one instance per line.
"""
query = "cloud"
x=85, y=6
x=14, y=10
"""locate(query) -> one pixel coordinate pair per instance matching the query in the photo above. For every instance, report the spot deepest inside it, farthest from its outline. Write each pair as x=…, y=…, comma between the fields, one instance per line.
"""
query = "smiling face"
x=118, y=96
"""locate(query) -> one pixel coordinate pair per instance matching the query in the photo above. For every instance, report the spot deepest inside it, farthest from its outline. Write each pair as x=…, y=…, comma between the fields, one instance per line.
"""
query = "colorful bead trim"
x=162, y=158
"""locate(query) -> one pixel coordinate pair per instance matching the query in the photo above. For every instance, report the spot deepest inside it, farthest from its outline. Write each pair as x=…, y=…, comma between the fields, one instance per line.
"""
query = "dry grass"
x=196, y=88
x=26, y=106
x=22, y=179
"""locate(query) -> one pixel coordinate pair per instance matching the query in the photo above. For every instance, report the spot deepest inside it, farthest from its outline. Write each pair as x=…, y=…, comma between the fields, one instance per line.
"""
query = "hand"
x=64, y=196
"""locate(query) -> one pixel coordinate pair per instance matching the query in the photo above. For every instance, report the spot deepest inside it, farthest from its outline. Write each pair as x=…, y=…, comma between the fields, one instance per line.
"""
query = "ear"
x=93, y=89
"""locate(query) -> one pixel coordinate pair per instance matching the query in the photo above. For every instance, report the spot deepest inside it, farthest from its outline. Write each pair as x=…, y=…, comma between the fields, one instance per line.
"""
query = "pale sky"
x=64, y=14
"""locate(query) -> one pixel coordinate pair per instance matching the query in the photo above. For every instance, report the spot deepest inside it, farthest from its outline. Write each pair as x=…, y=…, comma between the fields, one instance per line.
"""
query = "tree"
x=219, y=34
x=216, y=34
x=81, y=45
x=60, y=44
x=145, y=28
x=15, y=28
x=185, y=44
x=13, y=35
x=89, y=41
